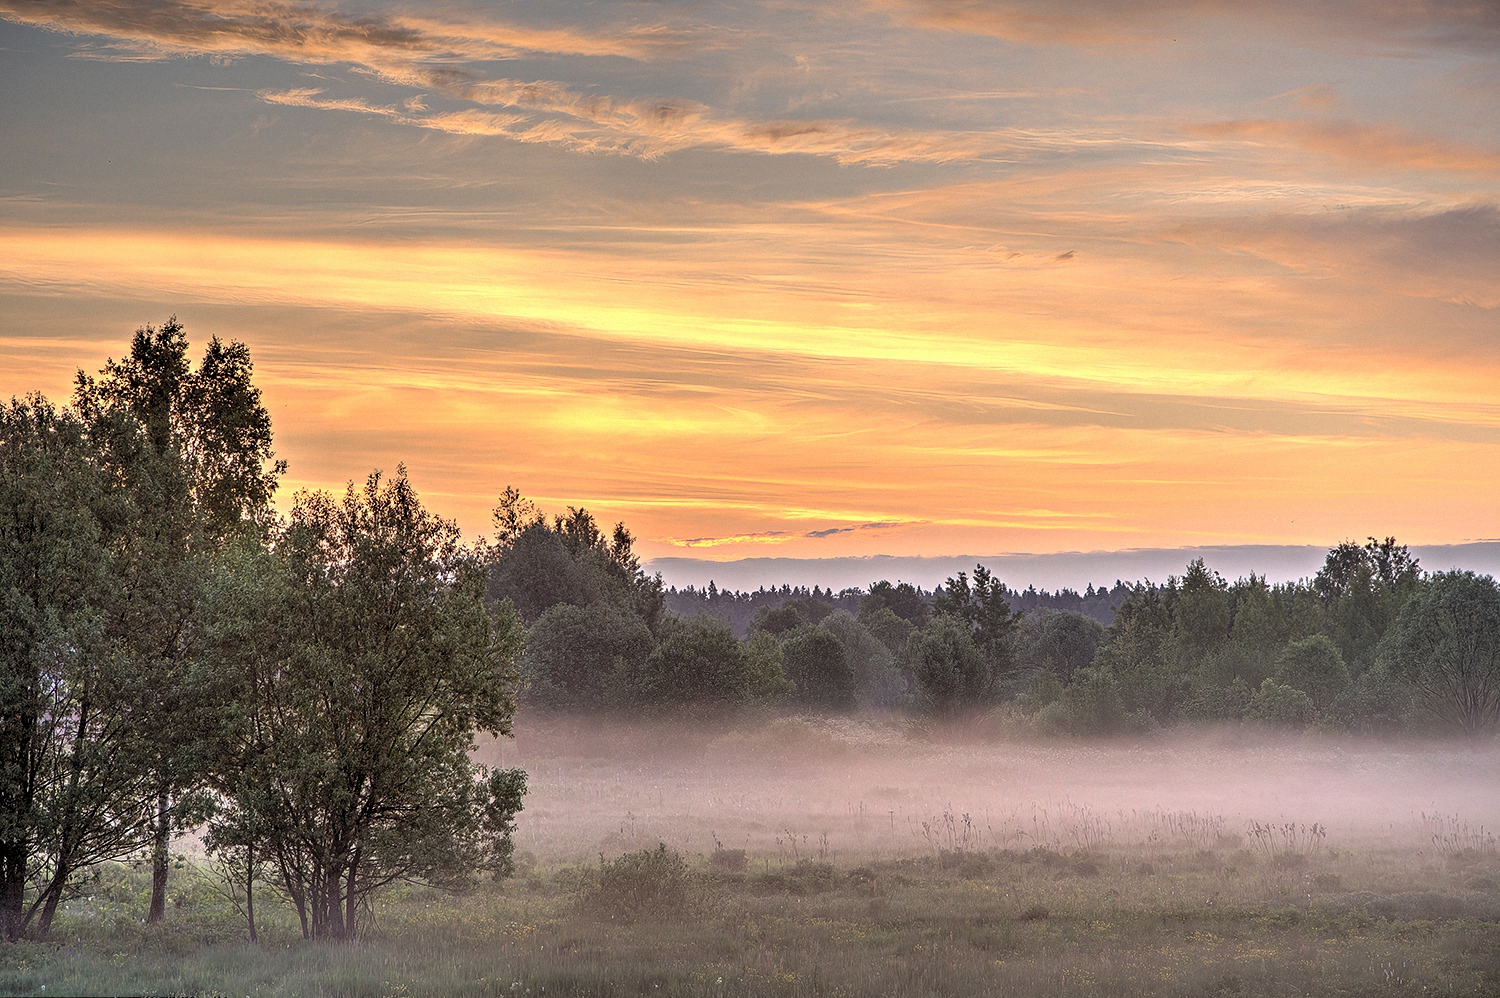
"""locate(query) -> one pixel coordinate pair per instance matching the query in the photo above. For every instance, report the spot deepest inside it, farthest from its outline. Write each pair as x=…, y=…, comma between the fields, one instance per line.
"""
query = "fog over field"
x=847, y=791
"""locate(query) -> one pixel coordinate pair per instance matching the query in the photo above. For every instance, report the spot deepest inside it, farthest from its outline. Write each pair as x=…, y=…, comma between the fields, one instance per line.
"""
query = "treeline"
x=306, y=690
x=1370, y=643
x=738, y=609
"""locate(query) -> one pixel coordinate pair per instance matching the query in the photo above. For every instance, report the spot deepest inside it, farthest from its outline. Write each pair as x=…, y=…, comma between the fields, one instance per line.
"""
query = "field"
x=867, y=858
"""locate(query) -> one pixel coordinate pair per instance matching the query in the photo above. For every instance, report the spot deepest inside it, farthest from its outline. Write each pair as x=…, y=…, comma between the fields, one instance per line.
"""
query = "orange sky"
x=917, y=277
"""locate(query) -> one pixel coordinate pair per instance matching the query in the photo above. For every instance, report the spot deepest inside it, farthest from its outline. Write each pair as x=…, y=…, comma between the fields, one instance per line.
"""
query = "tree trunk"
x=12, y=891
x=159, y=859
x=351, y=897
x=328, y=905
x=250, y=892
x=49, y=904
x=299, y=899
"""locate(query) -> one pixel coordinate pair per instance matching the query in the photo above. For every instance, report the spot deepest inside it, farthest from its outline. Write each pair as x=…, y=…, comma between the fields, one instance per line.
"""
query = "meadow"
x=877, y=857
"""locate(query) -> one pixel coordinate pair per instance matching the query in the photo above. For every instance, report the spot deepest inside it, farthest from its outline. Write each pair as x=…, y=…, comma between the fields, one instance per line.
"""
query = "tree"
x=1446, y=645
x=1260, y=630
x=877, y=681
x=985, y=607
x=819, y=669
x=585, y=657
x=1062, y=641
x=902, y=599
x=891, y=630
x=73, y=787
x=537, y=565
x=1362, y=589
x=789, y=616
x=1316, y=667
x=1201, y=616
x=700, y=663
x=193, y=448
x=950, y=672
x=360, y=661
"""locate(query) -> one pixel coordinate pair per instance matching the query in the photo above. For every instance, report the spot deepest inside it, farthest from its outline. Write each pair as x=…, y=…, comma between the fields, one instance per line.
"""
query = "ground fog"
x=848, y=791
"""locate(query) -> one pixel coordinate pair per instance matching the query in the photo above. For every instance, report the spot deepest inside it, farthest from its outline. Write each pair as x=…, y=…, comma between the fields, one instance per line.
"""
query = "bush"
x=651, y=883
x=1218, y=703
x=1090, y=705
x=584, y=657
x=1279, y=704
x=816, y=664
x=700, y=662
x=951, y=673
x=1316, y=667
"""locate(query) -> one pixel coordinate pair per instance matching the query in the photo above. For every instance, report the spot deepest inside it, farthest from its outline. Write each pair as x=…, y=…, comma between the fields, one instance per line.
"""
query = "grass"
x=998, y=922
x=840, y=895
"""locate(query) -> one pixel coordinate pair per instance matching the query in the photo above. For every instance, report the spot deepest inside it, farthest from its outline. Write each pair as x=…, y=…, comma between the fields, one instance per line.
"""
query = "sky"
x=798, y=279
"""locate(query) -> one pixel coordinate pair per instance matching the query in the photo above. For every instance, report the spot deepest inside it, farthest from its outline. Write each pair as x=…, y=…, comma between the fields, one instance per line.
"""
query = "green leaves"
x=1446, y=645
x=363, y=662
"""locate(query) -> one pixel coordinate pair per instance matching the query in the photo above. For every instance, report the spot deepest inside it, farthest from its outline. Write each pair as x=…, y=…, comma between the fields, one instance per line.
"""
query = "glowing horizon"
x=919, y=278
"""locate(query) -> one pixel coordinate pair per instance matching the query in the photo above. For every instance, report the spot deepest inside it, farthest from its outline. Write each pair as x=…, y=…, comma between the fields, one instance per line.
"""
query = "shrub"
x=817, y=665
x=1279, y=704
x=1316, y=667
x=951, y=673
x=1090, y=705
x=727, y=860
x=651, y=883
x=1218, y=703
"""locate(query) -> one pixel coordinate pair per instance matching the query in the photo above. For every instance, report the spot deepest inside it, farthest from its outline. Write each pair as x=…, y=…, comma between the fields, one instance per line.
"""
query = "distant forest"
x=306, y=688
x=738, y=609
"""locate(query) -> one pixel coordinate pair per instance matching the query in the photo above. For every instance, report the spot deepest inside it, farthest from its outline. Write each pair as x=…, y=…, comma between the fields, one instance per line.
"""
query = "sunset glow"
x=901, y=277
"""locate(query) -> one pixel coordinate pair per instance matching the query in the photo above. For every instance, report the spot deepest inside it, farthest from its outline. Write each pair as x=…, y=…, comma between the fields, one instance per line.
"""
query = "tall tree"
x=74, y=781
x=200, y=468
x=984, y=606
x=1362, y=589
x=361, y=662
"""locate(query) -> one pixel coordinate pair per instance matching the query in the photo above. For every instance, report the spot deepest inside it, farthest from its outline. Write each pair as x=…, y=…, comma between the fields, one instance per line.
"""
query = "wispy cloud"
x=434, y=56
x=301, y=32
x=1380, y=146
x=1457, y=23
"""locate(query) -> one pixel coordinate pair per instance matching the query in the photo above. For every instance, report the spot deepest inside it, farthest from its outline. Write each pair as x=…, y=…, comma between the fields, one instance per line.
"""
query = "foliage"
x=889, y=629
x=1362, y=588
x=361, y=660
x=700, y=663
x=819, y=669
x=1090, y=705
x=794, y=613
x=877, y=681
x=652, y=883
x=984, y=606
x=902, y=599
x=585, y=657
x=1060, y=641
x=1281, y=704
x=1446, y=646
x=75, y=785
x=1316, y=667
x=951, y=674
x=192, y=448
x=537, y=565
